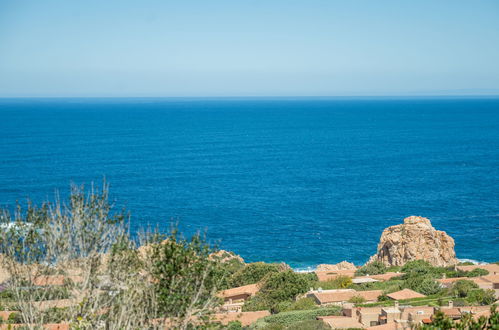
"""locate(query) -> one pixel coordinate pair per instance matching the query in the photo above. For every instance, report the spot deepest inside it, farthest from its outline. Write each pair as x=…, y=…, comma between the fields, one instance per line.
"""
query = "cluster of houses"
x=393, y=317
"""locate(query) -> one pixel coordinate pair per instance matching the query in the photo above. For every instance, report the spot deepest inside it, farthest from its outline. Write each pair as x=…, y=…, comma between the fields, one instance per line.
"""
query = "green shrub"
x=387, y=286
x=424, y=284
x=419, y=268
x=481, y=297
x=373, y=268
x=283, y=286
x=15, y=318
x=234, y=325
x=356, y=300
x=293, y=317
x=341, y=282
x=179, y=266
x=254, y=272
x=256, y=303
x=477, y=272
x=299, y=305
x=462, y=288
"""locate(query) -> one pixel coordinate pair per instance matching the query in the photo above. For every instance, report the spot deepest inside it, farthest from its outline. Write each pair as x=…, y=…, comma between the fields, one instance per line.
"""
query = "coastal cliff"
x=415, y=239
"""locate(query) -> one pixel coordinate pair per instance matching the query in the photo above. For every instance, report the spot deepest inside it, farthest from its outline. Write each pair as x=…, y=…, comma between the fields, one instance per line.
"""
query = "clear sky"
x=248, y=48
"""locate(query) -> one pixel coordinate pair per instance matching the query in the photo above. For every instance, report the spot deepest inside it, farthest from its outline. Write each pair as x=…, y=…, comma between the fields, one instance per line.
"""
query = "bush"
x=387, y=286
x=341, y=282
x=373, y=268
x=283, y=286
x=356, y=300
x=481, y=297
x=179, y=267
x=420, y=268
x=288, y=318
x=256, y=303
x=174, y=278
x=299, y=305
x=234, y=325
x=462, y=288
x=254, y=272
x=424, y=284
x=15, y=318
x=477, y=272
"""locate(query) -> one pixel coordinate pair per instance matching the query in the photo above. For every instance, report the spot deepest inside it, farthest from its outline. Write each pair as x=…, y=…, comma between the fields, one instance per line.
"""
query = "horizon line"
x=260, y=97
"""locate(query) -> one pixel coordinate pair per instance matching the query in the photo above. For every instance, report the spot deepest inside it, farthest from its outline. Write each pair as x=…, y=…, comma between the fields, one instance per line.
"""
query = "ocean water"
x=303, y=181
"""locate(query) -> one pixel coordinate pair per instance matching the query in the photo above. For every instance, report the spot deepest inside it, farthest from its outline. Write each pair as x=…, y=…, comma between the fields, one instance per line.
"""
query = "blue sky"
x=248, y=48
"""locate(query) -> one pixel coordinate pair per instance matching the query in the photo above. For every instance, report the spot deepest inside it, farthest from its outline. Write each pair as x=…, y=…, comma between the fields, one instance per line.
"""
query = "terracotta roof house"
x=386, y=326
x=417, y=314
x=405, y=294
x=493, y=269
x=453, y=313
x=341, y=322
x=240, y=293
x=493, y=279
x=340, y=296
x=234, y=298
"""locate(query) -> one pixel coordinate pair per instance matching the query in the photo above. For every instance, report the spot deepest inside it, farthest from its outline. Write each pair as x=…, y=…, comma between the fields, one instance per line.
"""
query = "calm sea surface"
x=302, y=181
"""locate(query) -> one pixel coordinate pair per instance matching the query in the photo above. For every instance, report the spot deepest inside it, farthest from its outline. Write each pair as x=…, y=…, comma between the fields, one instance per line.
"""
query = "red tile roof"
x=336, y=296
x=405, y=294
x=250, y=290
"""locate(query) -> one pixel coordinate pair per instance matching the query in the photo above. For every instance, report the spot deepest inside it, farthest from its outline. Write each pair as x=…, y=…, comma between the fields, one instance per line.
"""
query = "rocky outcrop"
x=226, y=256
x=415, y=239
x=344, y=265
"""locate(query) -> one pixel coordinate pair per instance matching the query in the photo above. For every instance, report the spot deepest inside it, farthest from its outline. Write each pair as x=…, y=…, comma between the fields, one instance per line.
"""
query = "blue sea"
x=302, y=181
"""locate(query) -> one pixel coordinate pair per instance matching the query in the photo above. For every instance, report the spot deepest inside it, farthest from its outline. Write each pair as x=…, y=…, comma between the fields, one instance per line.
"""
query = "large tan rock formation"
x=413, y=240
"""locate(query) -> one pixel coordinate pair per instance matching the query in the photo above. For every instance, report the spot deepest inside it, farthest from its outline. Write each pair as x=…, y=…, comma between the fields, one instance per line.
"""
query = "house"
x=394, y=317
x=490, y=282
x=239, y=294
x=493, y=269
x=234, y=298
x=341, y=322
x=484, y=282
x=405, y=294
x=246, y=318
x=368, y=316
x=417, y=315
x=340, y=296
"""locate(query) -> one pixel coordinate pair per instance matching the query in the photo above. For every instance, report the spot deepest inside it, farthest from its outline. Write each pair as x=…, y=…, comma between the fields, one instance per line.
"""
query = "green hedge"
x=289, y=318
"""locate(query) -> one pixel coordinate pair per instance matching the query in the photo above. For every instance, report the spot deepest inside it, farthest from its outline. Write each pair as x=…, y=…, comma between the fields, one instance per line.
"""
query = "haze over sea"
x=303, y=181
